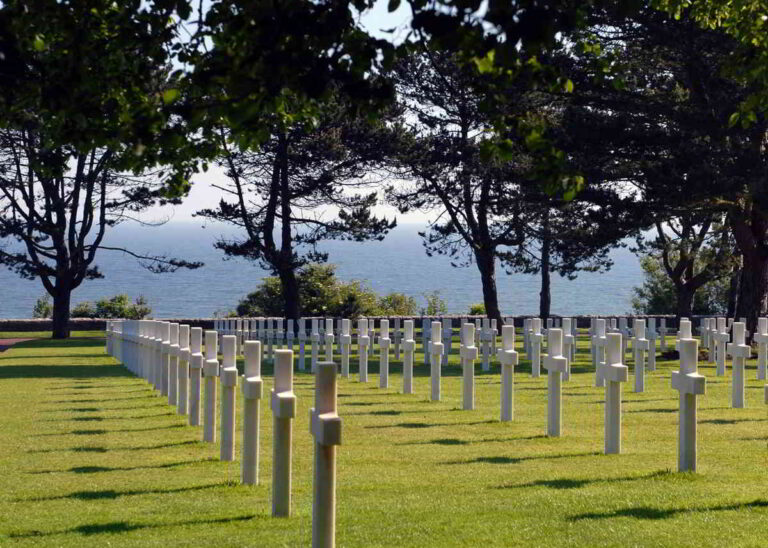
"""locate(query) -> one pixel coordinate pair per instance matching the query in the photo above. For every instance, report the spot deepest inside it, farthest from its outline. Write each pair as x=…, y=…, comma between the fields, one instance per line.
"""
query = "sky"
x=205, y=195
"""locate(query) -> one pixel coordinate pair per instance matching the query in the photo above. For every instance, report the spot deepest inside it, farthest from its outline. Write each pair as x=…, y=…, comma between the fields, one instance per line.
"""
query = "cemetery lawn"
x=91, y=456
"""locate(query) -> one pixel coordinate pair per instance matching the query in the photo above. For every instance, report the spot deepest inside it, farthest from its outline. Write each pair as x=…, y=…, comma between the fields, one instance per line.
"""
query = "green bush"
x=397, y=304
x=321, y=294
x=83, y=310
x=43, y=307
x=119, y=306
x=435, y=305
x=477, y=309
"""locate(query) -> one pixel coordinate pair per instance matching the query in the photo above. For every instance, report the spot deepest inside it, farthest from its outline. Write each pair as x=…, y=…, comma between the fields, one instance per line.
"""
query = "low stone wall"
x=90, y=324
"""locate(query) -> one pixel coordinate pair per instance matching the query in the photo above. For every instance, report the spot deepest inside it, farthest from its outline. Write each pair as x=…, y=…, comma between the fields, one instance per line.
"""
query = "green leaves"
x=170, y=95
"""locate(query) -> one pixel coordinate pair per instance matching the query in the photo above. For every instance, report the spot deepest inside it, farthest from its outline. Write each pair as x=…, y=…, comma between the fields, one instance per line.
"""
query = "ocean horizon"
x=396, y=264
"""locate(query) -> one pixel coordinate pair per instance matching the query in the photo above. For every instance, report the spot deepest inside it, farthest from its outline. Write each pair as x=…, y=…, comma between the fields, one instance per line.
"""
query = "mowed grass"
x=93, y=456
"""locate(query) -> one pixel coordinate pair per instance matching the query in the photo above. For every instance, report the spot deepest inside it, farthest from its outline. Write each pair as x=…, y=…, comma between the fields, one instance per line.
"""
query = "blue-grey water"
x=396, y=264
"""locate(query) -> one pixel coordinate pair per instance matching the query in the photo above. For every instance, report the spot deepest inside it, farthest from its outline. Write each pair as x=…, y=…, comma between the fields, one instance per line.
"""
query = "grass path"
x=92, y=456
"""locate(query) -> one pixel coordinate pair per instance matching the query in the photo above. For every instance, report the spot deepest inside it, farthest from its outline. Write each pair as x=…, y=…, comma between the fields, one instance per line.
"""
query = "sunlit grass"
x=92, y=456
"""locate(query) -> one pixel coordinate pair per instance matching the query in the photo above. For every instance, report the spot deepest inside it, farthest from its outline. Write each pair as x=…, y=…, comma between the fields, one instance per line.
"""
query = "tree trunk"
x=290, y=286
x=487, y=266
x=685, y=297
x=61, y=303
x=754, y=285
x=545, y=295
x=733, y=293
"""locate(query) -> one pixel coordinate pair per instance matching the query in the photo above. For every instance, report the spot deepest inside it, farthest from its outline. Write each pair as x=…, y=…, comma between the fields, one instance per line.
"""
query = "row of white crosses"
x=152, y=349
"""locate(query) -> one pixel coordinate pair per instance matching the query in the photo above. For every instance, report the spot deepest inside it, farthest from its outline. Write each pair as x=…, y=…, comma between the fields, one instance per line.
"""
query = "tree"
x=664, y=123
x=278, y=189
x=694, y=250
x=83, y=111
x=491, y=209
x=658, y=294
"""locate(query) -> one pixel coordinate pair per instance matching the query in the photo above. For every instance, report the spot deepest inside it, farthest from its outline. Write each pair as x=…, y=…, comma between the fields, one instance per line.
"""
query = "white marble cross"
x=485, y=341
x=252, y=394
x=195, y=374
x=329, y=338
x=639, y=346
x=302, y=343
x=663, y=334
x=468, y=352
x=435, y=353
x=228, y=379
x=555, y=364
x=721, y=341
x=345, y=340
x=536, y=339
x=447, y=338
x=651, y=335
x=315, y=338
x=183, y=371
x=363, y=341
x=740, y=352
x=690, y=384
x=397, y=337
x=409, y=347
x=384, y=343
x=283, y=404
x=600, y=342
x=508, y=358
x=761, y=338
x=211, y=373
x=568, y=344
x=685, y=332
x=614, y=372
x=325, y=426
x=425, y=338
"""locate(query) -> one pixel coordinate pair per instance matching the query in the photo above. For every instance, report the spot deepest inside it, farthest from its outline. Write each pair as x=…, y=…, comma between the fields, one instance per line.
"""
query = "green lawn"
x=92, y=456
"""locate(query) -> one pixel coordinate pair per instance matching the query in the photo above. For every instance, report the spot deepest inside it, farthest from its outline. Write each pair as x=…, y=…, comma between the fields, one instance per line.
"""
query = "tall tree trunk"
x=486, y=264
x=733, y=292
x=754, y=285
x=61, y=304
x=290, y=286
x=685, y=295
x=545, y=295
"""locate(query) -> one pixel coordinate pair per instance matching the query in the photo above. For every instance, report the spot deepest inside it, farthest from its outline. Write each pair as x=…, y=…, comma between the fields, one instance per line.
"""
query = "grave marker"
x=761, y=338
x=468, y=352
x=508, y=358
x=228, y=379
x=329, y=338
x=690, y=384
x=252, y=394
x=639, y=346
x=614, y=372
x=384, y=342
x=555, y=364
x=283, y=404
x=173, y=365
x=435, y=353
x=409, y=347
x=535, y=338
x=325, y=426
x=195, y=374
x=345, y=340
x=211, y=372
x=183, y=373
x=740, y=352
x=568, y=344
x=363, y=341
x=721, y=341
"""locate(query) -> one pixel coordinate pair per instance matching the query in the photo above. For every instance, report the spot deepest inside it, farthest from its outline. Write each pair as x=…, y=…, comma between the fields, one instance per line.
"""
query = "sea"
x=396, y=264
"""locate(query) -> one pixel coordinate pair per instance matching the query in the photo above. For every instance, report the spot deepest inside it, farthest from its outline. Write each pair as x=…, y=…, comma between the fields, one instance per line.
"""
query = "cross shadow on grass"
x=115, y=527
x=417, y=425
x=111, y=494
x=457, y=441
x=98, y=469
x=567, y=483
x=729, y=421
x=651, y=513
x=67, y=371
x=516, y=460
x=99, y=431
